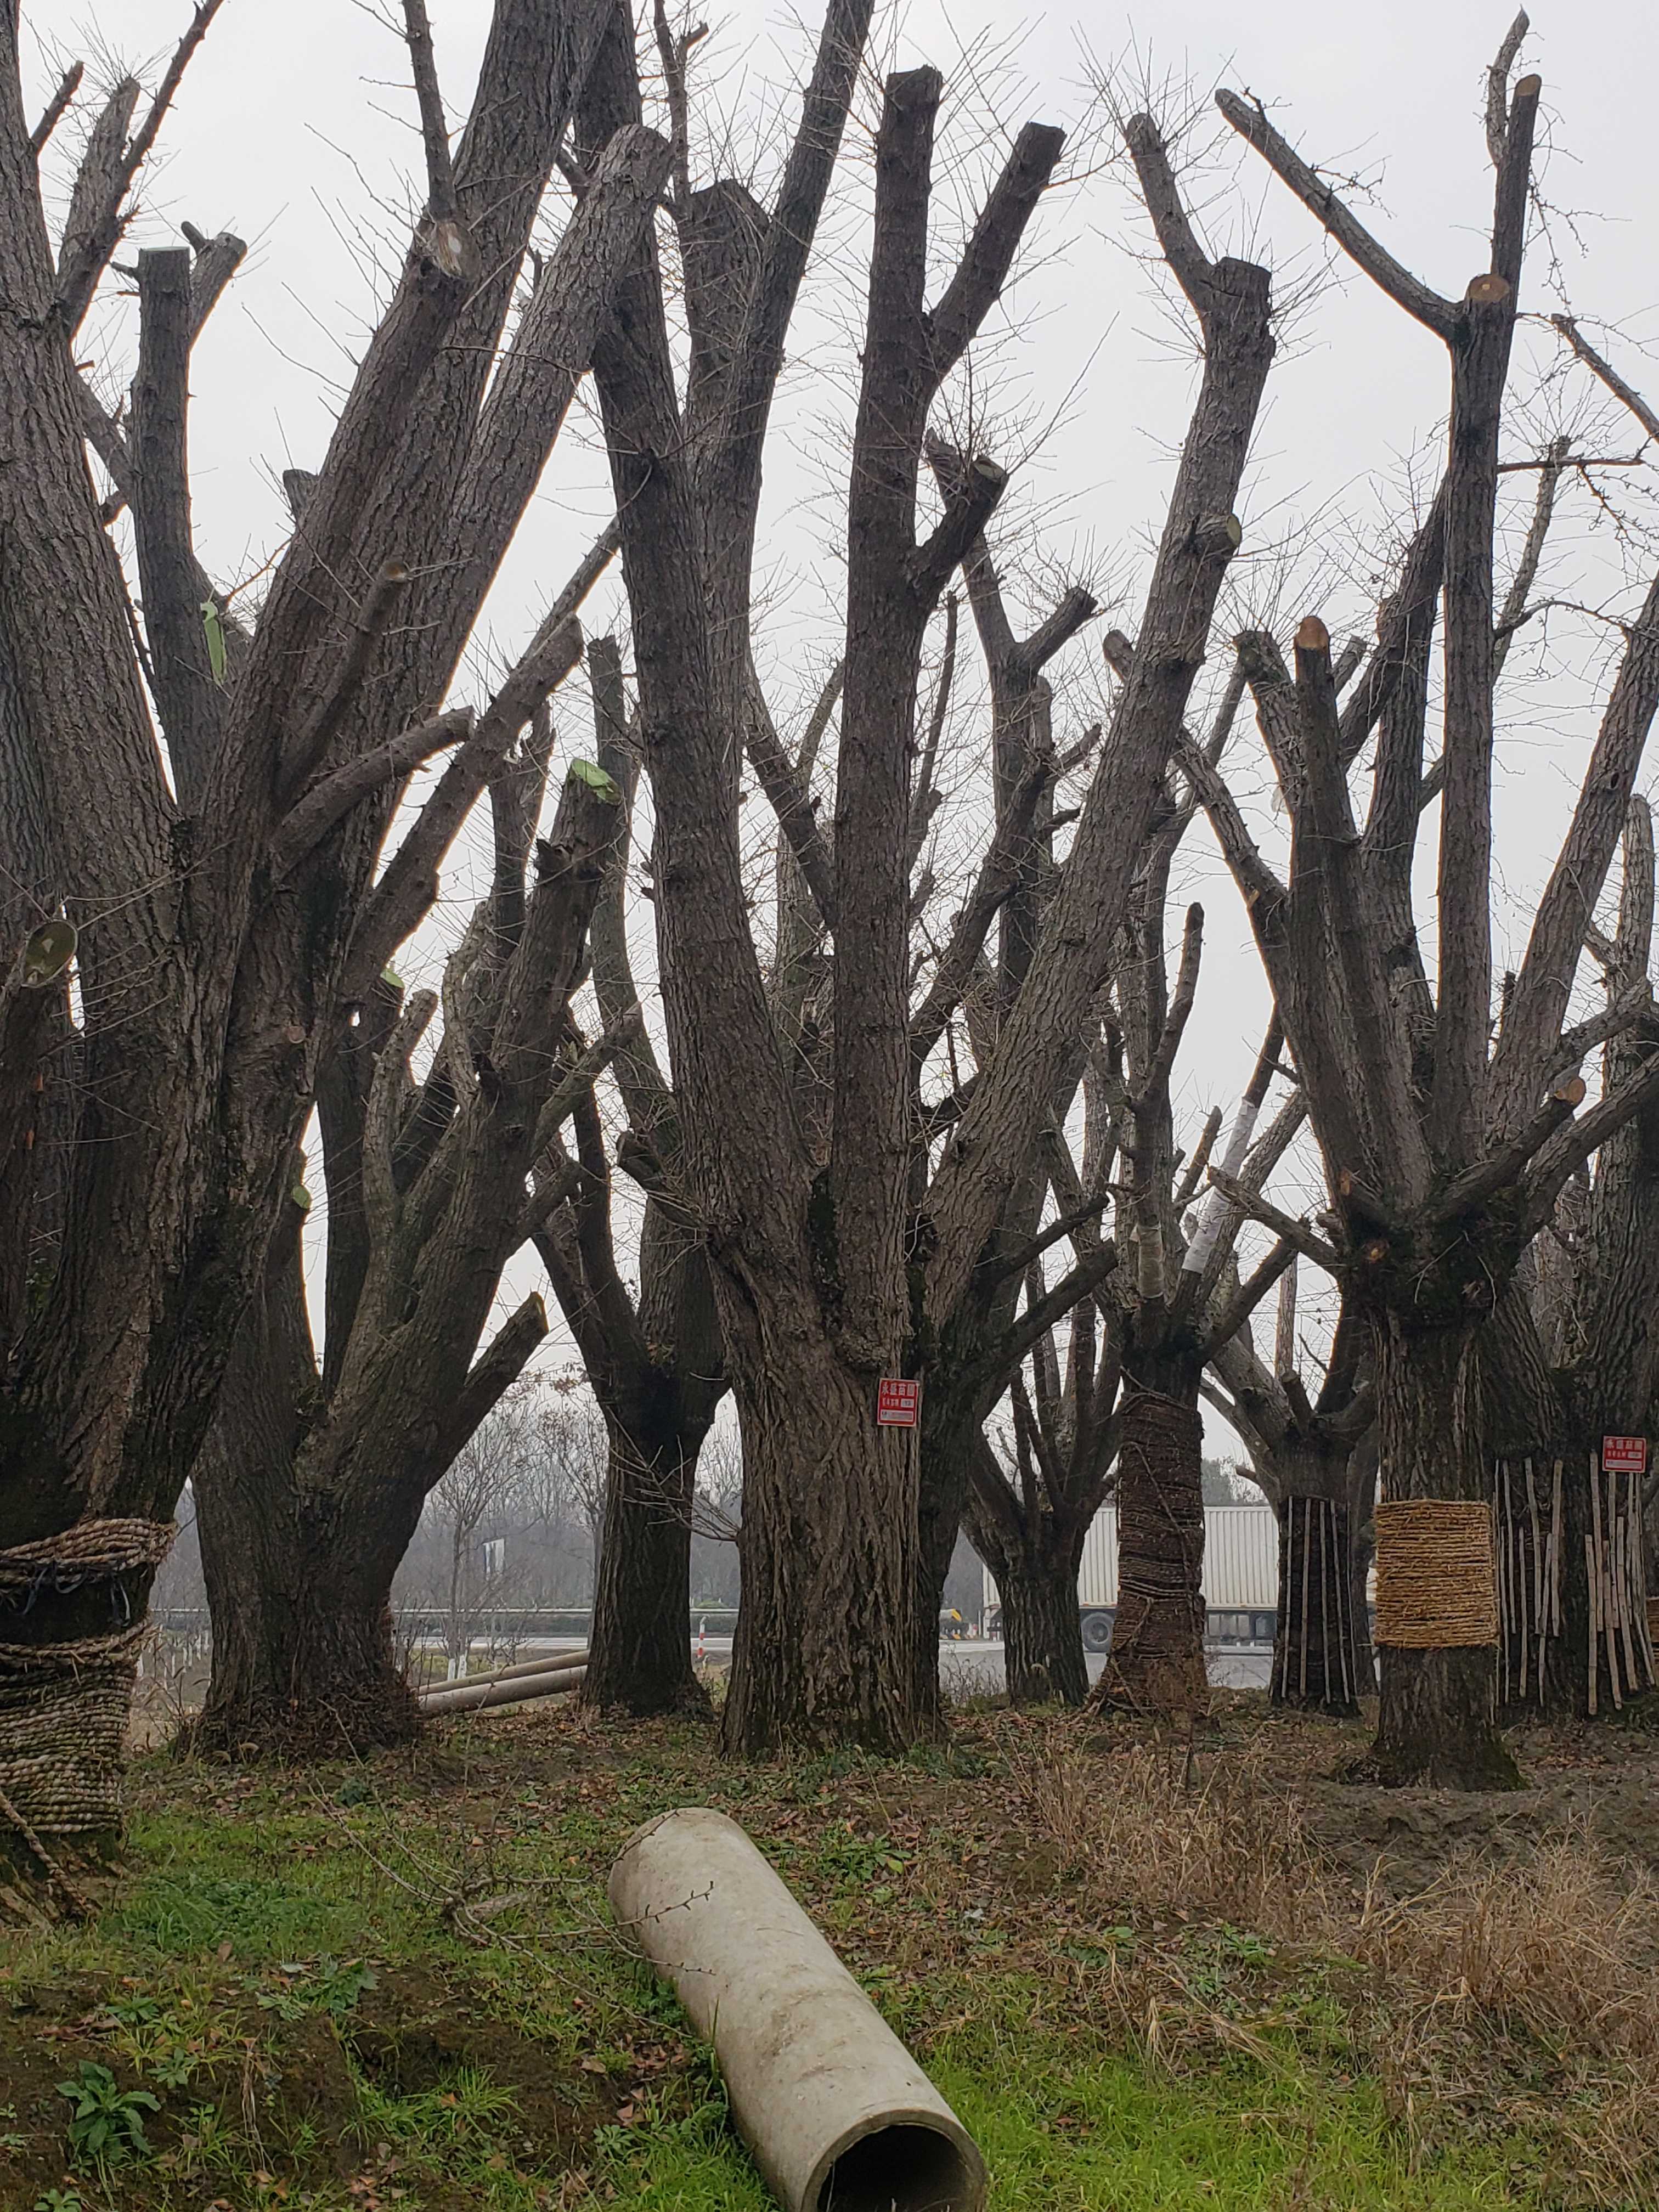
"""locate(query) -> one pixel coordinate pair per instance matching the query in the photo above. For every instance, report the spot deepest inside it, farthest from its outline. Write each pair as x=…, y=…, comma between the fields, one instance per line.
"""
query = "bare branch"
x=968, y=509
x=1572, y=1146
x=989, y=253
x=409, y=884
x=1237, y=1310
x=187, y=683
x=790, y=797
x=305, y=756
x=79, y=271
x=1032, y=654
x=1601, y=367
x=1539, y=999
x=391, y=1081
x=1193, y=1174
x=441, y=202
x=317, y=811
x=1152, y=1096
x=489, y=1379
x=1498, y=88
x=1505, y=1165
x=68, y=87
x=1249, y=120
x=1187, y=261
x=1254, y=1207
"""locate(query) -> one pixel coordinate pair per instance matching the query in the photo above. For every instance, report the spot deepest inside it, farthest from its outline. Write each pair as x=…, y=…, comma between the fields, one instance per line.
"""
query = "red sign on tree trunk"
x=1624, y=1455
x=897, y=1403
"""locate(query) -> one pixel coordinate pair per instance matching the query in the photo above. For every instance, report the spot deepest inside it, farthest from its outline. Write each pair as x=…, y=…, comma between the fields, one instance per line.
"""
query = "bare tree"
x=222, y=892
x=1446, y=1152
x=1572, y=1356
x=311, y=1482
x=476, y=1493
x=653, y=1363
x=1308, y=1451
x=828, y=1272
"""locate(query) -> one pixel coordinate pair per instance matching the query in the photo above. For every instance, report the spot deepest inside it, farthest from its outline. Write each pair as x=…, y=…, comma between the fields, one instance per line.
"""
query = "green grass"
x=287, y=1967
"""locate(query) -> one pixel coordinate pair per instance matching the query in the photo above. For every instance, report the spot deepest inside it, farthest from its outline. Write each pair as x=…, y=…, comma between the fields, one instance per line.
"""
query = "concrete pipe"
x=475, y=1697
x=575, y=1655
x=837, y=2114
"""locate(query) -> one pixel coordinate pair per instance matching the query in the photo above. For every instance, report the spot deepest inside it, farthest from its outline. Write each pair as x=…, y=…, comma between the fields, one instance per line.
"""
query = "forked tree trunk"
x=1313, y=1659
x=1437, y=1717
x=1041, y=1630
x=640, y=1651
x=299, y=1590
x=825, y=1637
x=1157, y=1663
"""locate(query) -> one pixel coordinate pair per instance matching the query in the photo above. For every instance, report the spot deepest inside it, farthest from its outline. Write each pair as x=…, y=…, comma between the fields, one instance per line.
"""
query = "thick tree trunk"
x=1156, y=1662
x=826, y=1630
x=299, y=1585
x=1314, y=1666
x=640, y=1651
x=1437, y=1720
x=1041, y=1631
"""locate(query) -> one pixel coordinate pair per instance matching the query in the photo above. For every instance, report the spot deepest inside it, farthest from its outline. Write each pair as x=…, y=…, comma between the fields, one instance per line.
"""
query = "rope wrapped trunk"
x=63, y=1705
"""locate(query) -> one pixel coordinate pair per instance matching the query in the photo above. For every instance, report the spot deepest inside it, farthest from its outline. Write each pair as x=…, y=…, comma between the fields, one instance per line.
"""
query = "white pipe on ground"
x=472, y=1698
x=837, y=2114
x=573, y=1655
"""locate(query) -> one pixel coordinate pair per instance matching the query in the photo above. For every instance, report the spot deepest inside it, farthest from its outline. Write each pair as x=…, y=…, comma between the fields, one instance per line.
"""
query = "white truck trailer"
x=1240, y=1578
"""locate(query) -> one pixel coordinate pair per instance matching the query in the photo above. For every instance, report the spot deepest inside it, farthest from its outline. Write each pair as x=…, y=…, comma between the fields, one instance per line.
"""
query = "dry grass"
x=1522, y=1985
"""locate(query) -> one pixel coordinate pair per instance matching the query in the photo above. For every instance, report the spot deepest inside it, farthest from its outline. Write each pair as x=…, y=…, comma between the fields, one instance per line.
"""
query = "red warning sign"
x=1624, y=1455
x=898, y=1403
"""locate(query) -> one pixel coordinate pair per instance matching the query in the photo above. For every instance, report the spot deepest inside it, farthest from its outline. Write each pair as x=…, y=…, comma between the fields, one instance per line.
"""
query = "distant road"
x=975, y=1669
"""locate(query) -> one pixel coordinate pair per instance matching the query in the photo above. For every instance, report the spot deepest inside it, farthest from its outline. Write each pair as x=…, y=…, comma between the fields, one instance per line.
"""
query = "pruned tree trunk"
x=1156, y=1662
x=1439, y=1720
x=640, y=1649
x=825, y=1629
x=1041, y=1631
x=299, y=1589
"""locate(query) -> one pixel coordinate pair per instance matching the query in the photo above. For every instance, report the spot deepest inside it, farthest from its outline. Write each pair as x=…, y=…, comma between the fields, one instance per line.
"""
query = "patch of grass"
x=1144, y=1980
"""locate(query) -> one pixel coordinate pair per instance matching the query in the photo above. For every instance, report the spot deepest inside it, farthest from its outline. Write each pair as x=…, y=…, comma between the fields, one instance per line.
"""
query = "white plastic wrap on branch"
x=1215, y=1206
x=837, y=2114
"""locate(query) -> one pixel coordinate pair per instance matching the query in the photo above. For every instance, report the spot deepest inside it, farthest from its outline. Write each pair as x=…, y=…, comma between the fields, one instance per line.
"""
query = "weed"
x=107, y=2122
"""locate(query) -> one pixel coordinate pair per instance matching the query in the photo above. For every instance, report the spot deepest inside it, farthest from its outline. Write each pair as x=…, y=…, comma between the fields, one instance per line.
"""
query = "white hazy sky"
x=295, y=128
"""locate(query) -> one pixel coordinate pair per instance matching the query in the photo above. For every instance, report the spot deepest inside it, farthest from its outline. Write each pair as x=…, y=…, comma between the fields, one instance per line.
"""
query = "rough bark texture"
x=432, y=1188
x=1439, y=1721
x=210, y=993
x=1036, y=1560
x=1156, y=1664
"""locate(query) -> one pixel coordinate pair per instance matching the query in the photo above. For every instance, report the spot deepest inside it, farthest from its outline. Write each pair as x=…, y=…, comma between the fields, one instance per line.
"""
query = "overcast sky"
x=296, y=129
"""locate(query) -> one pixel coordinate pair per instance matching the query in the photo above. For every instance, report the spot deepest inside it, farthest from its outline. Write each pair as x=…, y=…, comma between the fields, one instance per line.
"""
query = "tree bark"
x=1437, y=1720
x=640, y=1650
x=300, y=1588
x=1036, y=1576
x=299, y=1578
x=1156, y=1662
x=825, y=1629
